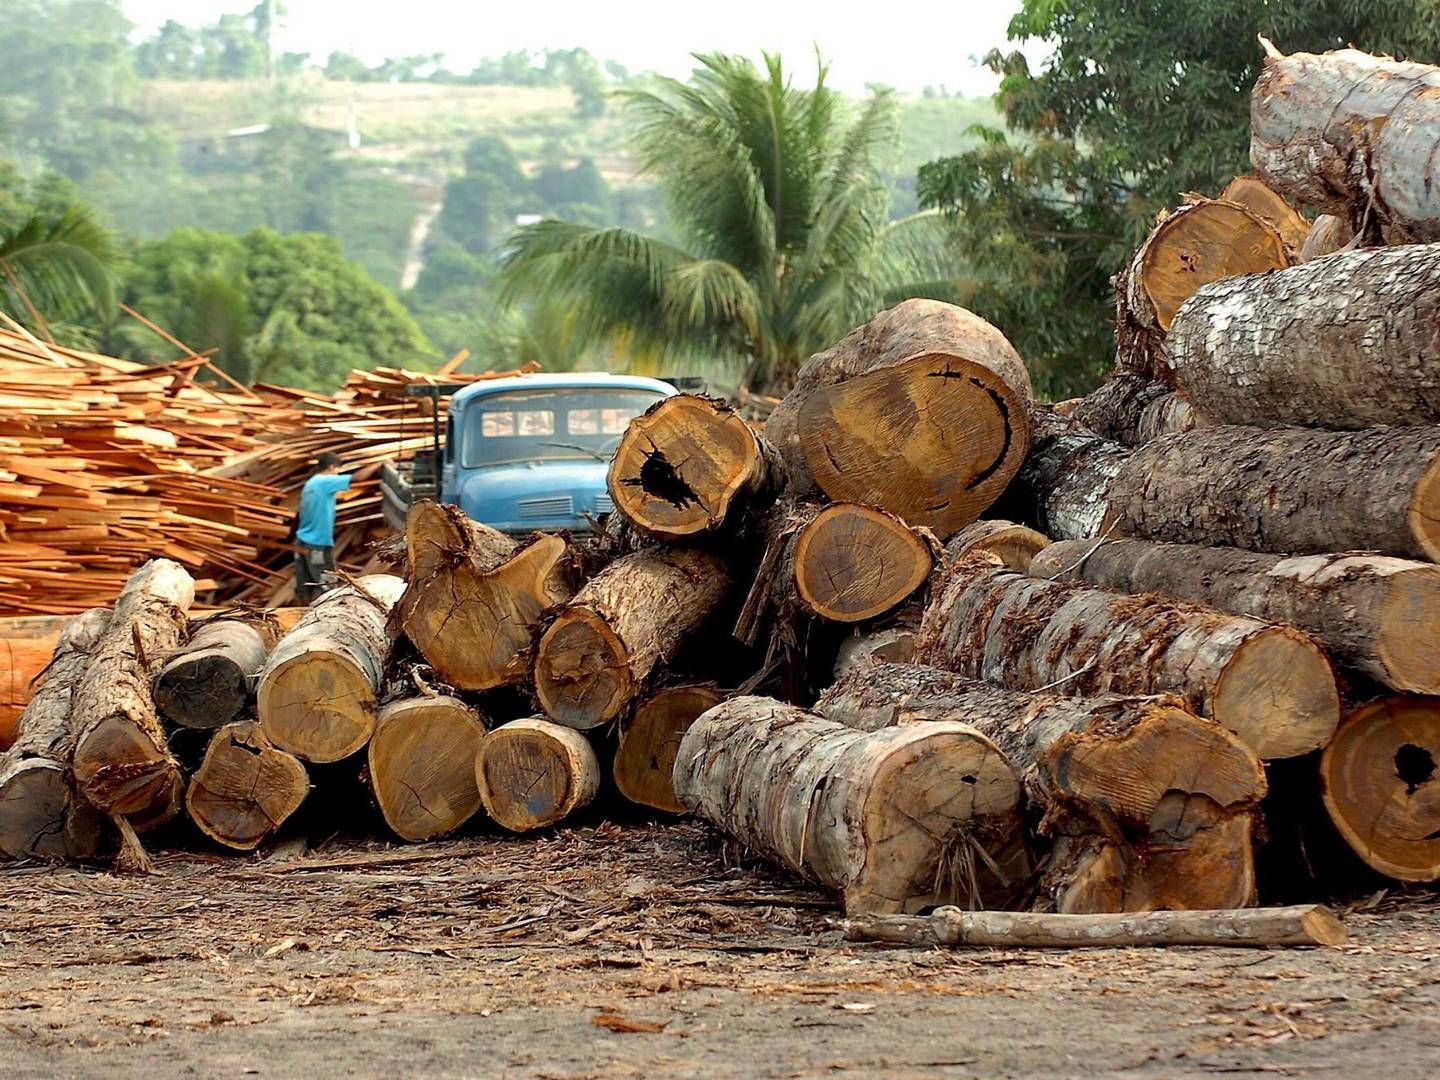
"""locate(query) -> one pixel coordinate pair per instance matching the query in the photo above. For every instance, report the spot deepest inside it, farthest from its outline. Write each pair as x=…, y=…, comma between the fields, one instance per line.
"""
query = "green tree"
x=777, y=196
x=1136, y=103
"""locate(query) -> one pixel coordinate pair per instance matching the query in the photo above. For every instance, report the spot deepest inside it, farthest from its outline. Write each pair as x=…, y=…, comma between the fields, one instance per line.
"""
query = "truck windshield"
x=582, y=423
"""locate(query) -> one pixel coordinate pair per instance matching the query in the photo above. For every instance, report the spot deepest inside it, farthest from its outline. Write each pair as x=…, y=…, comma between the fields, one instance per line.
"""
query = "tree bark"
x=42, y=815
x=316, y=696
x=211, y=680
x=1131, y=409
x=1381, y=788
x=477, y=596
x=1271, y=685
x=692, y=465
x=1014, y=545
x=1114, y=774
x=602, y=649
x=923, y=411
x=853, y=563
x=245, y=789
x=532, y=774
x=1203, y=241
x=1306, y=924
x=1344, y=342
x=1328, y=235
x=1288, y=490
x=422, y=765
x=645, y=757
x=1351, y=134
x=123, y=763
x=1064, y=486
x=1260, y=199
x=1371, y=612
x=885, y=817
x=889, y=645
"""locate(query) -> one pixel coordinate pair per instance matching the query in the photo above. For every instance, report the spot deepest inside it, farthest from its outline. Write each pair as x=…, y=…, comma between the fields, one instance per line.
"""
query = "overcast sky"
x=905, y=45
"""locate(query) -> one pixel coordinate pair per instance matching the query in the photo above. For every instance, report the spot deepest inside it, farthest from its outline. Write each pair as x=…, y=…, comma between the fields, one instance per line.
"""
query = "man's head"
x=329, y=463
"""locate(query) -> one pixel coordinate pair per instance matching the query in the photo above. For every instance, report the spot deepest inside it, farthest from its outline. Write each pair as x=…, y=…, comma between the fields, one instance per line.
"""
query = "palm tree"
x=782, y=216
x=55, y=266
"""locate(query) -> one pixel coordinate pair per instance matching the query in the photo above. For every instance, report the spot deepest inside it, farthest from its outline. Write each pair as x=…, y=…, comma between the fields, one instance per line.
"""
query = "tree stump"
x=532, y=774
x=422, y=765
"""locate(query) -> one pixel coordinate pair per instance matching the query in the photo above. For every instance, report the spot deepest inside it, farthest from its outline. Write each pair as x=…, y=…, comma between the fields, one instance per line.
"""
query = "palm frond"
x=59, y=264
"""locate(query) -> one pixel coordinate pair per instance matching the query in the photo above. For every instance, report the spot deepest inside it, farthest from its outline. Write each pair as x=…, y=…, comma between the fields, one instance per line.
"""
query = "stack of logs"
x=1194, y=665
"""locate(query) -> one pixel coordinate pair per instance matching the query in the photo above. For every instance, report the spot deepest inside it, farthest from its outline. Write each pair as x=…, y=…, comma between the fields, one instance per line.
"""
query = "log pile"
x=824, y=638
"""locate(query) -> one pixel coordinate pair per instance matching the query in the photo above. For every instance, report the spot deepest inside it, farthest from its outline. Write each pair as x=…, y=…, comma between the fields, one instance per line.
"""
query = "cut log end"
x=855, y=562
x=1278, y=694
x=532, y=773
x=41, y=817
x=124, y=773
x=935, y=439
x=1424, y=513
x=1258, y=197
x=681, y=467
x=317, y=706
x=645, y=758
x=1381, y=785
x=205, y=692
x=1408, y=643
x=245, y=789
x=582, y=670
x=1016, y=545
x=422, y=766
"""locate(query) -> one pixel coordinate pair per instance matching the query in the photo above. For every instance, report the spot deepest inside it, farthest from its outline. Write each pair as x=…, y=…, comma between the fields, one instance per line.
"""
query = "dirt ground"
x=641, y=950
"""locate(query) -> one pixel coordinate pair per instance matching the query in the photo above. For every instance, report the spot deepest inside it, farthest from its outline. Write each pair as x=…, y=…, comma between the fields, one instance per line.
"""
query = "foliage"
x=777, y=197
x=1136, y=104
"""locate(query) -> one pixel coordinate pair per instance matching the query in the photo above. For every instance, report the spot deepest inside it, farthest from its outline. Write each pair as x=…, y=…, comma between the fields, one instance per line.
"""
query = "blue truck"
x=525, y=452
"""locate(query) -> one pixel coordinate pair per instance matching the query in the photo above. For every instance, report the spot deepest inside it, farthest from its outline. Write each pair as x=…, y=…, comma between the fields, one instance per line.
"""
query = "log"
x=1380, y=785
x=601, y=651
x=1351, y=134
x=1328, y=235
x=1290, y=490
x=1271, y=685
x=122, y=762
x=885, y=817
x=1014, y=545
x=1345, y=342
x=477, y=595
x=1260, y=199
x=42, y=815
x=1162, y=799
x=891, y=645
x=645, y=757
x=853, y=563
x=1306, y=924
x=692, y=465
x=1375, y=613
x=1064, y=485
x=211, y=680
x=1206, y=240
x=532, y=774
x=317, y=694
x=923, y=411
x=1131, y=409
x=422, y=765
x=246, y=788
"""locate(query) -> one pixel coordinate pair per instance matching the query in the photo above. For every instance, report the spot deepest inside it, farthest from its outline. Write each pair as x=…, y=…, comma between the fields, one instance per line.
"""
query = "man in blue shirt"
x=315, y=526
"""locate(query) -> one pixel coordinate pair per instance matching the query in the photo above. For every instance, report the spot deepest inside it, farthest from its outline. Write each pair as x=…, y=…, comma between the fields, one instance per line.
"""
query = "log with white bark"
x=211, y=680
x=246, y=788
x=644, y=767
x=1351, y=134
x=1271, y=685
x=122, y=762
x=477, y=595
x=1063, y=487
x=422, y=765
x=601, y=651
x=885, y=817
x=532, y=774
x=1148, y=804
x=692, y=465
x=317, y=694
x=1131, y=409
x=41, y=812
x=1203, y=241
x=1305, y=924
x=1344, y=342
x=1377, y=614
x=1381, y=784
x=1015, y=545
x=923, y=411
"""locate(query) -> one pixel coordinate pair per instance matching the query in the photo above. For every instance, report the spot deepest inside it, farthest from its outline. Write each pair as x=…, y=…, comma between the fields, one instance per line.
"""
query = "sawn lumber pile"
x=1213, y=687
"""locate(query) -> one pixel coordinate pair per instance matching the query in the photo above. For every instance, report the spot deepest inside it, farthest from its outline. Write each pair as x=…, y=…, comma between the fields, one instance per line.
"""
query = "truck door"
x=447, y=463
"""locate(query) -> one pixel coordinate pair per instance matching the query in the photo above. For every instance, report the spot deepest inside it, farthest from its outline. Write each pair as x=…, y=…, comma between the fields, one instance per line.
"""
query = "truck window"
x=559, y=423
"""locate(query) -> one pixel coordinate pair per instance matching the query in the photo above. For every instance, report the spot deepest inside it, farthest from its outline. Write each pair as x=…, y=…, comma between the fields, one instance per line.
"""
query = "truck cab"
x=530, y=452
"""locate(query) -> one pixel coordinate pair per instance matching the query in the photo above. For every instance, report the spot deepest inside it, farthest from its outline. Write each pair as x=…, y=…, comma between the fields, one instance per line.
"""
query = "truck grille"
x=603, y=505
x=553, y=506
